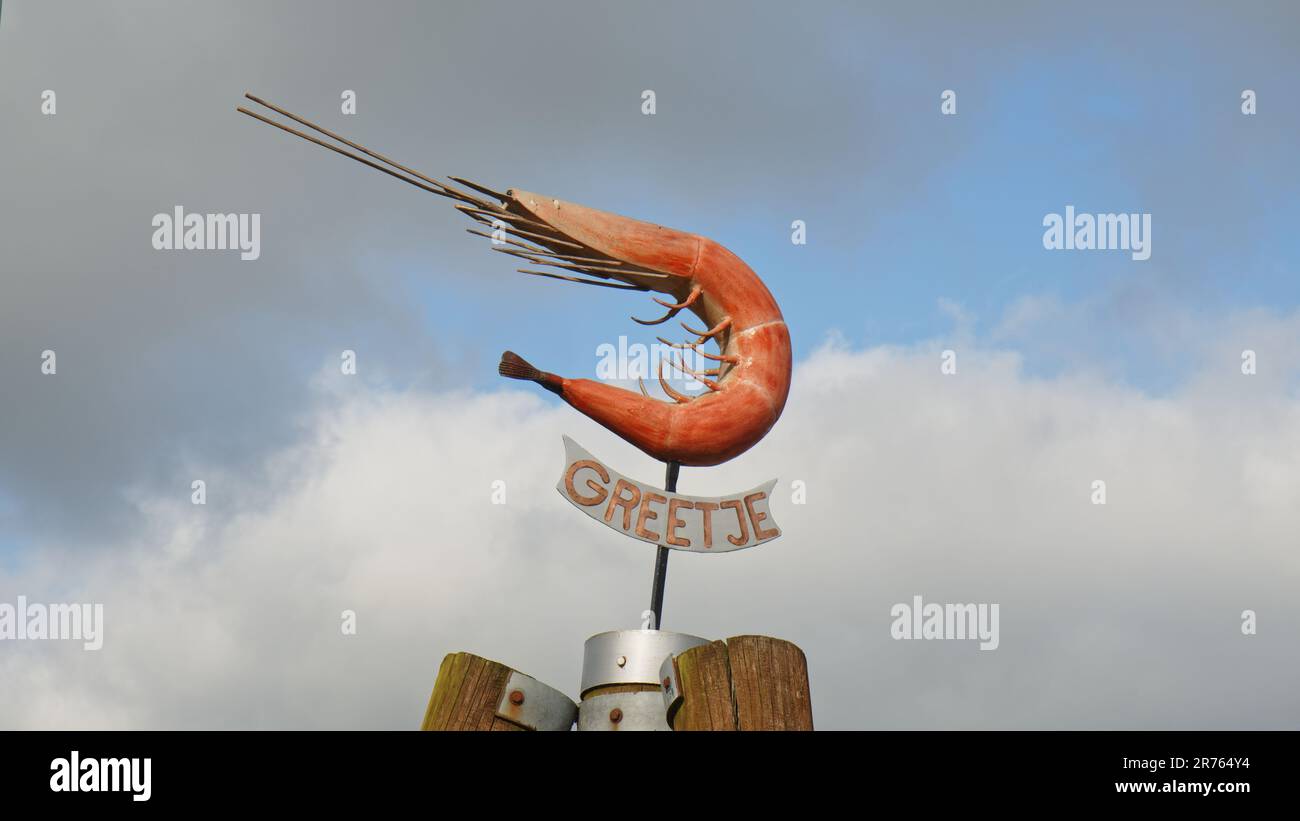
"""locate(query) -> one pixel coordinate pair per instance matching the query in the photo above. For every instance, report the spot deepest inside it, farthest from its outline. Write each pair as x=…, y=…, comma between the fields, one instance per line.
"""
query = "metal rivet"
x=516, y=697
x=616, y=715
x=622, y=661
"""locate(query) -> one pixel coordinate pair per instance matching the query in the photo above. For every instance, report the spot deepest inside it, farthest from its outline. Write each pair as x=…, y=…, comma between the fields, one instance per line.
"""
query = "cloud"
x=967, y=488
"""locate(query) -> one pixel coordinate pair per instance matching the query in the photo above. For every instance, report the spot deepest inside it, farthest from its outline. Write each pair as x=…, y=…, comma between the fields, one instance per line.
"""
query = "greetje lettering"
x=701, y=524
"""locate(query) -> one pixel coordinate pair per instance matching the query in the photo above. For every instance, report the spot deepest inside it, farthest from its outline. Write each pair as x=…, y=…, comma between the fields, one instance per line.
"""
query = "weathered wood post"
x=473, y=693
x=635, y=680
x=744, y=683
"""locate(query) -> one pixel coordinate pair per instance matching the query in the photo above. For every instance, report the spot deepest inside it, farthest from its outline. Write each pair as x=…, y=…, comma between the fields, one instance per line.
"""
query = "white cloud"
x=965, y=488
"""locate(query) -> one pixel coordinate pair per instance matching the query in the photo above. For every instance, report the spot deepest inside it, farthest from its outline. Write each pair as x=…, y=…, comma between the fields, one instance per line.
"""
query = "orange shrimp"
x=751, y=382
x=753, y=374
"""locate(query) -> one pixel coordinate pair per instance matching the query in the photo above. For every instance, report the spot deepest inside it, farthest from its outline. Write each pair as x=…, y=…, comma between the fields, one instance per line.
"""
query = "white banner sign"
x=702, y=524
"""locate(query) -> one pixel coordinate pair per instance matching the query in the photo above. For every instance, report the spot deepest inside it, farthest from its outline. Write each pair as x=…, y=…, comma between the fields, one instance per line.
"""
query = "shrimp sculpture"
x=747, y=389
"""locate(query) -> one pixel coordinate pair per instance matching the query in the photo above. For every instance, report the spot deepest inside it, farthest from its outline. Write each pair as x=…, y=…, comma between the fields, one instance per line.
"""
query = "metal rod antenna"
x=347, y=154
x=350, y=143
x=661, y=555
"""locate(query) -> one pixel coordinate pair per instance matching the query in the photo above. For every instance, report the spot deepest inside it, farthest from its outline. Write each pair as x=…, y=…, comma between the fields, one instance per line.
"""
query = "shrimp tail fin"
x=514, y=366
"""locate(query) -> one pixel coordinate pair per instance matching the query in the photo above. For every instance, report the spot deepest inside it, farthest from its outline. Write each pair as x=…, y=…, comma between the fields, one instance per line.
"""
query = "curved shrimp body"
x=752, y=379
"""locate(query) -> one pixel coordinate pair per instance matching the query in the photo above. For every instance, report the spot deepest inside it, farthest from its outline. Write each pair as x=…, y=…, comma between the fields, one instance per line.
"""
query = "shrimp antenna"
x=480, y=210
x=443, y=189
x=448, y=193
x=433, y=186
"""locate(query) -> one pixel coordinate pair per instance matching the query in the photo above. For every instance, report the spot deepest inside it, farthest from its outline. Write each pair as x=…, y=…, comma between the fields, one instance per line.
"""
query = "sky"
x=372, y=492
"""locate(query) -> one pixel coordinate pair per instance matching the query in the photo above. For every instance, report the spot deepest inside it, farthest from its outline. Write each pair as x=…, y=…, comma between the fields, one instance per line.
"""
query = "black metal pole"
x=661, y=556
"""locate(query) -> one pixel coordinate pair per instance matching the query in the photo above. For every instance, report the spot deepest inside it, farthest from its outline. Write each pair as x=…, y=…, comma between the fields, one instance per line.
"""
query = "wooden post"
x=466, y=694
x=470, y=694
x=745, y=683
